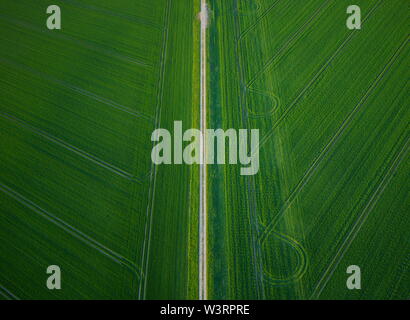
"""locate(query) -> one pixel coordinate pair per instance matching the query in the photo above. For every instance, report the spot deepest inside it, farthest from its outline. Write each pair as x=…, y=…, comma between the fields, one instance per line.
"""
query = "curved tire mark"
x=301, y=266
x=332, y=142
x=257, y=115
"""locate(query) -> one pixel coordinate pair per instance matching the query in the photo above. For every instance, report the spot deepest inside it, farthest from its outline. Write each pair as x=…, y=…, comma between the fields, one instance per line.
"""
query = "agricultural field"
x=333, y=186
x=79, y=188
x=77, y=185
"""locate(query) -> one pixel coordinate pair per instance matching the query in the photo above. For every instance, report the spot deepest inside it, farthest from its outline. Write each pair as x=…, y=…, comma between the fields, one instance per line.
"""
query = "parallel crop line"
x=153, y=176
x=257, y=21
x=288, y=43
x=79, y=42
x=312, y=81
x=114, y=169
x=203, y=170
x=89, y=241
x=256, y=249
x=7, y=293
x=361, y=220
x=79, y=90
x=115, y=14
x=335, y=138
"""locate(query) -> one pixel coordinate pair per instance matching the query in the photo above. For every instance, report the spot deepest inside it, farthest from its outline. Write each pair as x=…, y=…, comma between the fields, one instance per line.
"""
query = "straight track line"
x=203, y=171
x=142, y=290
x=361, y=220
x=73, y=231
x=67, y=146
x=7, y=294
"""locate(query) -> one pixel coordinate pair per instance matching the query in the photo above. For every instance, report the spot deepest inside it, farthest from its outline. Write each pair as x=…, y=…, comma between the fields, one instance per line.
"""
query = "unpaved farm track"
x=202, y=177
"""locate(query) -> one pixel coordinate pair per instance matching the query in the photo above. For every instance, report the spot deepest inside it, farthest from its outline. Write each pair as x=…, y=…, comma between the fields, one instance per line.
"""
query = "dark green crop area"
x=77, y=185
x=78, y=188
x=333, y=186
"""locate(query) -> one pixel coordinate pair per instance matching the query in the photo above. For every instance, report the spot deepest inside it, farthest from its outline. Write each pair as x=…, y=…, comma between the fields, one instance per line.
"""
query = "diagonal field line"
x=89, y=241
x=258, y=20
x=114, y=169
x=153, y=174
x=250, y=187
x=203, y=169
x=7, y=293
x=361, y=220
x=313, y=80
x=345, y=125
x=69, y=86
x=79, y=42
x=114, y=13
x=287, y=45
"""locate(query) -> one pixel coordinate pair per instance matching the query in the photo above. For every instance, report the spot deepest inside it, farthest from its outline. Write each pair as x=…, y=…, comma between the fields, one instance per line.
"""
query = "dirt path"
x=203, y=171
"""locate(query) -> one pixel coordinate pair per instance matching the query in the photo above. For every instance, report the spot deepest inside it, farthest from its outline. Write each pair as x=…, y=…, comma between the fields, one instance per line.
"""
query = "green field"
x=333, y=186
x=77, y=186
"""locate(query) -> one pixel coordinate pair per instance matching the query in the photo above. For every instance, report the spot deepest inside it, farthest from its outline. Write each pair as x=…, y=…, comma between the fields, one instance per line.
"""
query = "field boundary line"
x=334, y=139
x=89, y=241
x=257, y=21
x=79, y=90
x=7, y=293
x=80, y=42
x=361, y=220
x=114, y=169
x=153, y=174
